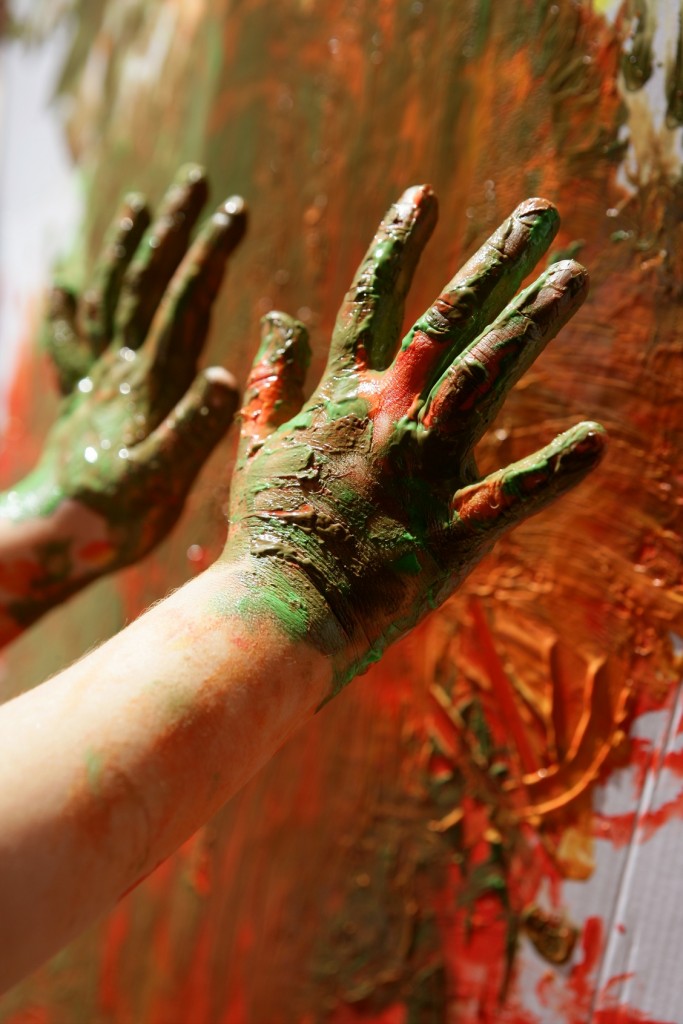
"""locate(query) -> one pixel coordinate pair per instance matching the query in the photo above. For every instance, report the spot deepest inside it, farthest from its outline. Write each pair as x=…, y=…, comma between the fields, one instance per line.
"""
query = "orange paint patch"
x=96, y=553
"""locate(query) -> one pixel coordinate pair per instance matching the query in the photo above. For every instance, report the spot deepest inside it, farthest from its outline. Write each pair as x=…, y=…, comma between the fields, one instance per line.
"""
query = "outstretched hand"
x=362, y=509
x=136, y=421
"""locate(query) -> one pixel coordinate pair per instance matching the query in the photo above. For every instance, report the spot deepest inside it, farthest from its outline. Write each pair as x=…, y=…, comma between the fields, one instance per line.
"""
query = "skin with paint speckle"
x=137, y=420
x=362, y=509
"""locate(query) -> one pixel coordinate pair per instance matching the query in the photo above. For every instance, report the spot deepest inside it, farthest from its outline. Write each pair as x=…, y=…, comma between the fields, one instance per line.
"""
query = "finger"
x=180, y=327
x=471, y=392
x=470, y=301
x=99, y=302
x=70, y=356
x=274, y=391
x=369, y=320
x=159, y=255
x=172, y=455
x=510, y=495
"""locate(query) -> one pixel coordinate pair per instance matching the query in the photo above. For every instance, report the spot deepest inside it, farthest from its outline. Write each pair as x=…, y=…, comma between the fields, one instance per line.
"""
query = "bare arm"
x=350, y=518
x=112, y=764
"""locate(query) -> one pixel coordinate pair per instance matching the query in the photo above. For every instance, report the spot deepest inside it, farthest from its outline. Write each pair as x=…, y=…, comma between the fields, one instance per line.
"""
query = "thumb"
x=274, y=391
x=176, y=450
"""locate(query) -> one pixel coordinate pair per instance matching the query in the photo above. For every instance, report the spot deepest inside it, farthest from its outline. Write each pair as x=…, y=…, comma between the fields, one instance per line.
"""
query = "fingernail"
x=135, y=201
x=284, y=323
x=416, y=199
x=219, y=375
x=417, y=194
x=593, y=444
x=235, y=206
x=585, y=450
x=567, y=275
x=231, y=221
x=190, y=186
x=218, y=392
x=232, y=211
x=283, y=337
x=534, y=208
x=191, y=174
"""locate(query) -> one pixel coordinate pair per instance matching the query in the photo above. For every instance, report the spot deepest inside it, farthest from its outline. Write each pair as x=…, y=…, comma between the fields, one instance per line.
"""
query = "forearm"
x=138, y=744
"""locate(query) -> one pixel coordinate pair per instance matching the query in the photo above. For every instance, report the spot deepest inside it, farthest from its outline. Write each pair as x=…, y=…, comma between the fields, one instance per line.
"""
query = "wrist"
x=50, y=547
x=283, y=592
x=232, y=625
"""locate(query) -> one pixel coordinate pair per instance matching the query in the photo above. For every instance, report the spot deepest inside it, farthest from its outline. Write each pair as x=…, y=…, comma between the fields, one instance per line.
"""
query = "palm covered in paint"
x=364, y=509
x=137, y=421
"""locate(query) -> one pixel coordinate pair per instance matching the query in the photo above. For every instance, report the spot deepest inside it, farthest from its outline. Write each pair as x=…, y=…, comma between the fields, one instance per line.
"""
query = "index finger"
x=369, y=321
x=179, y=329
x=161, y=251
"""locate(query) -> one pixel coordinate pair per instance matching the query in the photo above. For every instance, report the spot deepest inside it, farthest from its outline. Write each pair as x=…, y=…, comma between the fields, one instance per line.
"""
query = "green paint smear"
x=94, y=768
x=289, y=611
x=408, y=563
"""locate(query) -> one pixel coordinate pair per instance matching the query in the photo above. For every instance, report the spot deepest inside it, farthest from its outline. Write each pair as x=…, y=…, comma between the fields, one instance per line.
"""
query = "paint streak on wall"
x=387, y=863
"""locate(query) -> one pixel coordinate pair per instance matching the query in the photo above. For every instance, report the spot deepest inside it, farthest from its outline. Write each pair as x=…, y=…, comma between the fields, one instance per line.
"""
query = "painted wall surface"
x=488, y=826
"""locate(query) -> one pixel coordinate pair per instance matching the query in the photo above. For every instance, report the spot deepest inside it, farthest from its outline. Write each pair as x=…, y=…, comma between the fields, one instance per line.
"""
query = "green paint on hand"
x=409, y=563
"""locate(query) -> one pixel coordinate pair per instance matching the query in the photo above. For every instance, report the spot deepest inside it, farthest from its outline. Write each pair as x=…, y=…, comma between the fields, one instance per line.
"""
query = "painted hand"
x=364, y=510
x=137, y=421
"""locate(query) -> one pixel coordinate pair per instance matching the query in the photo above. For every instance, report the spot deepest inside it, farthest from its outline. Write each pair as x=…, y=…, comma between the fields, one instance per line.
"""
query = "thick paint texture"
x=364, y=512
x=391, y=864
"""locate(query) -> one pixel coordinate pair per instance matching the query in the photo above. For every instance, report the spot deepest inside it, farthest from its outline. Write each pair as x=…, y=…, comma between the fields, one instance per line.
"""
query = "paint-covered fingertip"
x=417, y=194
x=191, y=174
x=135, y=203
x=536, y=206
x=568, y=276
x=220, y=377
x=215, y=396
x=235, y=206
x=592, y=438
x=534, y=210
x=230, y=219
x=581, y=448
x=275, y=318
x=284, y=339
x=572, y=268
x=190, y=186
x=418, y=201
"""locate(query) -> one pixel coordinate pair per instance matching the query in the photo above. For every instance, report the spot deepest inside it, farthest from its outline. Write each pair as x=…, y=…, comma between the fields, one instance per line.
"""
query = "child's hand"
x=137, y=421
x=364, y=510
